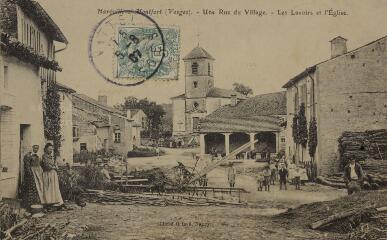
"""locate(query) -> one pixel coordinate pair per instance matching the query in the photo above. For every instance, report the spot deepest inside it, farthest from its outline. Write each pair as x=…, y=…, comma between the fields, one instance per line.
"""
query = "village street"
x=98, y=221
x=245, y=179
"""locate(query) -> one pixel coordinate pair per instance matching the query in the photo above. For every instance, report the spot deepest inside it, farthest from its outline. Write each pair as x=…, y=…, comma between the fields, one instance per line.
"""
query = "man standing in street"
x=283, y=174
x=231, y=175
x=353, y=176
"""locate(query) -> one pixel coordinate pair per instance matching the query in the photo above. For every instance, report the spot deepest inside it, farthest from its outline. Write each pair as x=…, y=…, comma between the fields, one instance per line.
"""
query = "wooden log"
x=336, y=217
x=381, y=209
x=324, y=181
x=8, y=233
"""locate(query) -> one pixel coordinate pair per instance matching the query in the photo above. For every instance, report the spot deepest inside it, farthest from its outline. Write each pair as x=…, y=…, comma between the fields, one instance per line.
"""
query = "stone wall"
x=352, y=97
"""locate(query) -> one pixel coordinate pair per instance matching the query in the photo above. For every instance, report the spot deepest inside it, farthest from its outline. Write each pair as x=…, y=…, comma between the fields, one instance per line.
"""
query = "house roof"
x=312, y=69
x=64, y=88
x=338, y=38
x=258, y=113
x=224, y=93
x=217, y=93
x=133, y=112
x=179, y=96
x=34, y=10
x=95, y=102
x=300, y=76
x=198, y=53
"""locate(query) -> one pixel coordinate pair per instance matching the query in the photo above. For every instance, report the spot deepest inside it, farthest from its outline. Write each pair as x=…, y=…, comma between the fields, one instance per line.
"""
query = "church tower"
x=199, y=69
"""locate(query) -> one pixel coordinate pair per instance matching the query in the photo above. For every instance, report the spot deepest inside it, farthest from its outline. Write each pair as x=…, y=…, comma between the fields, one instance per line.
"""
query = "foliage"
x=51, y=116
x=295, y=129
x=91, y=177
x=144, y=152
x=8, y=217
x=245, y=90
x=69, y=183
x=302, y=126
x=312, y=139
x=153, y=111
x=25, y=53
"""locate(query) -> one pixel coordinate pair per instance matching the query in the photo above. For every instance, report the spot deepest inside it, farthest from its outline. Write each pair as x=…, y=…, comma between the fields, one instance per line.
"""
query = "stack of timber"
x=360, y=223
x=363, y=145
x=119, y=198
x=369, y=148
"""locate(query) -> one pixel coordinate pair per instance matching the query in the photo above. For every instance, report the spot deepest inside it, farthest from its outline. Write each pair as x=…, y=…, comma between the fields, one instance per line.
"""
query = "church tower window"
x=209, y=69
x=195, y=84
x=194, y=67
x=196, y=105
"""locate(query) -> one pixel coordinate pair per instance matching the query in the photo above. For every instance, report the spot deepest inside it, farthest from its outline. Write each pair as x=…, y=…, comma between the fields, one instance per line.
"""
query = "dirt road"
x=117, y=222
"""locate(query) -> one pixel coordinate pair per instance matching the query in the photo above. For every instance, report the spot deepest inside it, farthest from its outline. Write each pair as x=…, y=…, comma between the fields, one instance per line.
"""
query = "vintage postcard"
x=193, y=120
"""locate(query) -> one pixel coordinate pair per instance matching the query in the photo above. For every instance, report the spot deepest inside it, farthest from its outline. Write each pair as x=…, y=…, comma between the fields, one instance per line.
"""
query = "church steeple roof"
x=198, y=53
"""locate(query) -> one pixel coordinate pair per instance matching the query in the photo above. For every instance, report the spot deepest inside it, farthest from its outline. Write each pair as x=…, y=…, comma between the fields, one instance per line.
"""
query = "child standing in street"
x=283, y=174
x=297, y=178
x=267, y=176
x=260, y=181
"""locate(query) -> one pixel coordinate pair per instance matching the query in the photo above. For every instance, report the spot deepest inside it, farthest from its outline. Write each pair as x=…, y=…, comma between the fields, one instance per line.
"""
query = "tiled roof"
x=241, y=124
x=259, y=113
x=133, y=112
x=34, y=10
x=224, y=93
x=65, y=88
x=198, y=53
x=179, y=96
x=260, y=105
x=217, y=93
x=95, y=102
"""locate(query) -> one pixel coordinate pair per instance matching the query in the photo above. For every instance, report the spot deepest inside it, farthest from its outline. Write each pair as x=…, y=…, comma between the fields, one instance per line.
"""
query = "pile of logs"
x=369, y=148
x=363, y=145
x=119, y=198
x=354, y=220
x=31, y=229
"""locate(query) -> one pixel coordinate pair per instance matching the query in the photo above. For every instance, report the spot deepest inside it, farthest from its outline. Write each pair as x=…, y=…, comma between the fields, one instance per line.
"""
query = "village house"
x=25, y=27
x=201, y=97
x=66, y=127
x=97, y=126
x=347, y=92
x=139, y=124
x=261, y=118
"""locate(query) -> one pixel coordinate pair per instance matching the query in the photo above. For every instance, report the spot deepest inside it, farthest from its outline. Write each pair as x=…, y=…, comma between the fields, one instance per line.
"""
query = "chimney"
x=102, y=99
x=128, y=114
x=233, y=100
x=338, y=46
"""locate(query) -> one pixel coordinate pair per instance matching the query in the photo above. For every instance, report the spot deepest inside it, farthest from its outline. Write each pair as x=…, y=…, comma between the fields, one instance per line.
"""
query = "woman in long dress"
x=32, y=188
x=52, y=195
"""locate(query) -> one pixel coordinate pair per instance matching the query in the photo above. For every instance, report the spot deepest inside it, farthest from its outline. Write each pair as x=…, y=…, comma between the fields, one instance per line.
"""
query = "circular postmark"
x=126, y=48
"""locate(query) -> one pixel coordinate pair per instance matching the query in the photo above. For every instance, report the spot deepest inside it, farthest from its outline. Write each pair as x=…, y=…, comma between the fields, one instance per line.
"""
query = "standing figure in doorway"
x=52, y=195
x=231, y=175
x=32, y=187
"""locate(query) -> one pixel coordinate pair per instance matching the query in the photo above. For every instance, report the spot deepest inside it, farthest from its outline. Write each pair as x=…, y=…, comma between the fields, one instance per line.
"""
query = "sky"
x=260, y=52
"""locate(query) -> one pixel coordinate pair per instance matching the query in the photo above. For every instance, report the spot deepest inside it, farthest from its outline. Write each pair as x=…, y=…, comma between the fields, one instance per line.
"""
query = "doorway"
x=24, y=148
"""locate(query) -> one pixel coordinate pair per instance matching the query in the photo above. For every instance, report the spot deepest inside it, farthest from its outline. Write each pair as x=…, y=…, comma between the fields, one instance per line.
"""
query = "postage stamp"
x=139, y=51
x=128, y=47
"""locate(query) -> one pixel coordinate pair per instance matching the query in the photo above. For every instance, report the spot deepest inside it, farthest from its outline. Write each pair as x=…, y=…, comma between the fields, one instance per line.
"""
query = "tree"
x=245, y=90
x=312, y=144
x=302, y=129
x=51, y=117
x=302, y=126
x=312, y=139
x=153, y=111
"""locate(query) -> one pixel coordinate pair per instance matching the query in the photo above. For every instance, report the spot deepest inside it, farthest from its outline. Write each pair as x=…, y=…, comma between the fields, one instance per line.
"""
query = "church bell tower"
x=199, y=73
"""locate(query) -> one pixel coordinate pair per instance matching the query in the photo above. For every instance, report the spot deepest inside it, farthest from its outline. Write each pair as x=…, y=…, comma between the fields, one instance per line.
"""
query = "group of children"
x=282, y=171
